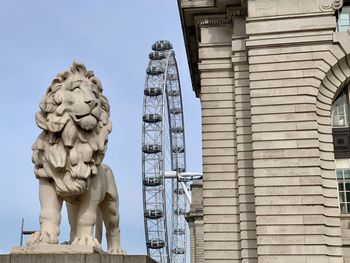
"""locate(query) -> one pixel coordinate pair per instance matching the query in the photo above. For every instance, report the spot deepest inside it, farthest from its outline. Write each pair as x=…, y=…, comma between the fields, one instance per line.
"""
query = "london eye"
x=165, y=185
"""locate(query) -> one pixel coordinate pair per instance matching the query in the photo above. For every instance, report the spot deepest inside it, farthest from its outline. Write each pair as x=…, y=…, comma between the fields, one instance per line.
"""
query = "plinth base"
x=56, y=249
x=73, y=258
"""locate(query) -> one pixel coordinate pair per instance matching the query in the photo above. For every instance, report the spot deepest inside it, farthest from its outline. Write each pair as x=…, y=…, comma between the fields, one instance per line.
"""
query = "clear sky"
x=40, y=38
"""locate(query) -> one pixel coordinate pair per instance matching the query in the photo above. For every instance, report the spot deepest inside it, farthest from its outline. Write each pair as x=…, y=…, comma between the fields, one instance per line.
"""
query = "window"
x=343, y=23
x=340, y=115
x=343, y=178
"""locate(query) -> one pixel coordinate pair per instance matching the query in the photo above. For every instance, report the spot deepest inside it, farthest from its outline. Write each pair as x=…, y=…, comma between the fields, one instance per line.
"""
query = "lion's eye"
x=95, y=93
x=76, y=89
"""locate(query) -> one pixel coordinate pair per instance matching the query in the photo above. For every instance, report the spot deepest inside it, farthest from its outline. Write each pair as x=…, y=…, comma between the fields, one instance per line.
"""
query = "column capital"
x=331, y=5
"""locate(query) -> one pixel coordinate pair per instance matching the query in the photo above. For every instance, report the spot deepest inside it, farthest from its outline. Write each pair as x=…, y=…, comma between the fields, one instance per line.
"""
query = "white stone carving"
x=329, y=5
x=67, y=156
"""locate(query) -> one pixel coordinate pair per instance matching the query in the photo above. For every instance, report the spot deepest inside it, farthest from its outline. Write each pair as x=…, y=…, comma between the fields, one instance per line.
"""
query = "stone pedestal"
x=56, y=249
x=73, y=258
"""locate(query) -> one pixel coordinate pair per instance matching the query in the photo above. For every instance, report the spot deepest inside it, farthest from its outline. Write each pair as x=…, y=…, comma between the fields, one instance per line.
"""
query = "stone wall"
x=90, y=258
x=266, y=72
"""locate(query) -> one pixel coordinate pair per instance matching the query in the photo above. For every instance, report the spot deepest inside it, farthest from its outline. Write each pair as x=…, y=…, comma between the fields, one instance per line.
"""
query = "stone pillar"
x=195, y=221
x=222, y=241
x=290, y=48
x=244, y=139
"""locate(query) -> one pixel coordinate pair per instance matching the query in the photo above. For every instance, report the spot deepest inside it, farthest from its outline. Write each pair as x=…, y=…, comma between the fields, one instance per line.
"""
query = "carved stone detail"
x=331, y=5
x=213, y=21
x=67, y=156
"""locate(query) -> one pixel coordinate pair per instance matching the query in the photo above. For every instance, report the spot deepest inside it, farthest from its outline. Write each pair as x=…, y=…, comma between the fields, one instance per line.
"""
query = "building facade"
x=272, y=77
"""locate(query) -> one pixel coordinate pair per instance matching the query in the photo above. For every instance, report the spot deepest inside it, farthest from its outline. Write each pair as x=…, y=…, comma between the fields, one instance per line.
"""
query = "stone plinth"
x=55, y=249
x=73, y=258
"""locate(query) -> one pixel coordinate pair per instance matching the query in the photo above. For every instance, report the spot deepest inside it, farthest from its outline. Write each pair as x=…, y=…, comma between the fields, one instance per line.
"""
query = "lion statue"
x=68, y=158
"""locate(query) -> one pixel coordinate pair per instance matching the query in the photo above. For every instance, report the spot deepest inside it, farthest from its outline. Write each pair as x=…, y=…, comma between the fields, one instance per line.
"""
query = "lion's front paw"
x=43, y=237
x=116, y=251
x=86, y=241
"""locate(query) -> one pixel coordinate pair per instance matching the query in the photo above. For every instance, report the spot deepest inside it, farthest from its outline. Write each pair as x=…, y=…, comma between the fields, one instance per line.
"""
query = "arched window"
x=341, y=142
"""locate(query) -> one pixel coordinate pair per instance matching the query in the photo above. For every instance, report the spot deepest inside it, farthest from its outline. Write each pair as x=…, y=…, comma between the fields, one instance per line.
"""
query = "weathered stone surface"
x=271, y=170
x=4, y=259
x=74, y=258
x=55, y=249
x=67, y=157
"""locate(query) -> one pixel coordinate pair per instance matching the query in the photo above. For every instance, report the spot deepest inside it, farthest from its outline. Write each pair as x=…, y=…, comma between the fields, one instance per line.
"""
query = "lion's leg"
x=111, y=220
x=86, y=217
x=110, y=213
x=99, y=226
x=50, y=216
x=72, y=211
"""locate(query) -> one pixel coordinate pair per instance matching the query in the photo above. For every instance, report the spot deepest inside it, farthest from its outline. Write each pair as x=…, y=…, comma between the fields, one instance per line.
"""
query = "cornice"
x=213, y=20
x=331, y=5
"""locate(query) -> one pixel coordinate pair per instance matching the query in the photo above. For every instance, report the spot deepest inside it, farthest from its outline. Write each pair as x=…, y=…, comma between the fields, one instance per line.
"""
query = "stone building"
x=272, y=77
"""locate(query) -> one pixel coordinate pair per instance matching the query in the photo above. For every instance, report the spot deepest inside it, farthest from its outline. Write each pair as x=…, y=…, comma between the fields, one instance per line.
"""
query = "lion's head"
x=74, y=117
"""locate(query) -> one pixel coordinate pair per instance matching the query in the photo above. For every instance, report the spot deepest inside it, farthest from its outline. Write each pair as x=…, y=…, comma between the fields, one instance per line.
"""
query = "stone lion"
x=68, y=158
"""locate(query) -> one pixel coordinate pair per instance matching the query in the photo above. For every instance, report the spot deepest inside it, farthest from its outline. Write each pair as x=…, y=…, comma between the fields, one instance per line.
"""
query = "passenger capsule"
x=152, y=118
x=162, y=45
x=179, y=191
x=153, y=214
x=179, y=211
x=156, y=55
x=151, y=148
x=155, y=243
x=178, y=251
x=173, y=93
x=177, y=130
x=172, y=77
x=175, y=110
x=179, y=231
x=153, y=92
x=183, y=179
x=152, y=181
x=153, y=70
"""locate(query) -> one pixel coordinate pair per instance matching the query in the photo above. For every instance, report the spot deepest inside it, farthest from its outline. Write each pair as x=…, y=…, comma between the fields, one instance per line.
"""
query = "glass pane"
x=347, y=187
x=344, y=19
x=341, y=121
x=341, y=186
x=342, y=208
x=341, y=197
x=347, y=207
x=346, y=174
x=348, y=196
x=339, y=174
x=340, y=110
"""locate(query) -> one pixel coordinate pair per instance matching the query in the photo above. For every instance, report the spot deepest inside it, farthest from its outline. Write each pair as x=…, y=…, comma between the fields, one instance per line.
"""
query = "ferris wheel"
x=165, y=182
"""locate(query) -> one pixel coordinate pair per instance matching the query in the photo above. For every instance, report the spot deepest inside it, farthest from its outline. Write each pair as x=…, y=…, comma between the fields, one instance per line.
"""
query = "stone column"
x=244, y=139
x=222, y=242
x=195, y=221
x=290, y=48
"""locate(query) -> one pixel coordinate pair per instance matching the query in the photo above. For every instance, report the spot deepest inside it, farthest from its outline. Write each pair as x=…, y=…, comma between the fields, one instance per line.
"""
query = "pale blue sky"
x=40, y=38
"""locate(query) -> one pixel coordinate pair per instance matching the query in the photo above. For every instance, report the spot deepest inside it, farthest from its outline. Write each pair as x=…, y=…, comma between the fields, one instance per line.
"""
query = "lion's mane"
x=64, y=152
